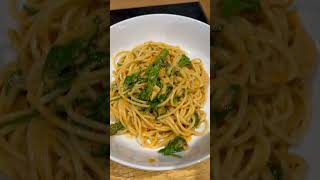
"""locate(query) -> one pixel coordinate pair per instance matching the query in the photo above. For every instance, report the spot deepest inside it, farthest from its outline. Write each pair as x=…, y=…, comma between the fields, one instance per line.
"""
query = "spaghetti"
x=158, y=94
x=263, y=60
x=53, y=97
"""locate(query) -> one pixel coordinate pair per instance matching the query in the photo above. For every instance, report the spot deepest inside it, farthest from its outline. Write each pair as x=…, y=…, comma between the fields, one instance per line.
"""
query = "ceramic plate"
x=190, y=35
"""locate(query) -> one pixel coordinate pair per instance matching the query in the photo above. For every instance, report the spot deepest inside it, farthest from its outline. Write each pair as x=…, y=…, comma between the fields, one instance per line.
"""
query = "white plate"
x=309, y=11
x=192, y=36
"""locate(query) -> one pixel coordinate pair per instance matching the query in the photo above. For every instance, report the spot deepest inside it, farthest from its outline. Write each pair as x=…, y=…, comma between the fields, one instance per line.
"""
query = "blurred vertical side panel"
x=107, y=38
x=212, y=75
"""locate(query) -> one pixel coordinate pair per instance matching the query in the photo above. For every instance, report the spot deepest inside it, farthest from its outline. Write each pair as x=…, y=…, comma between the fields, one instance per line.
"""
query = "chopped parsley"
x=114, y=128
x=176, y=145
x=184, y=61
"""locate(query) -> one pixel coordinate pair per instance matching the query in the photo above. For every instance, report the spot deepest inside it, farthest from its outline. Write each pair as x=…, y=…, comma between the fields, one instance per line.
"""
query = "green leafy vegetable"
x=63, y=56
x=59, y=71
x=235, y=7
x=131, y=80
x=152, y=73
x=30, y=10
x=62, y=63
x=160, y=59
x=158, y=83
x=197, y=118
x=114, y=128
x=156, y=101
x=142, y=79
x=176, y=145
x=175, y=100
x=59, y=57
x=276, y=171
x=160, y=98
x=184, y=61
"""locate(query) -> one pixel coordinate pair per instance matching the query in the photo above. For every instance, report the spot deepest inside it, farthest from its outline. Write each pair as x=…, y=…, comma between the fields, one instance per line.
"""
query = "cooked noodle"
x=263, y=61
x=176, y=114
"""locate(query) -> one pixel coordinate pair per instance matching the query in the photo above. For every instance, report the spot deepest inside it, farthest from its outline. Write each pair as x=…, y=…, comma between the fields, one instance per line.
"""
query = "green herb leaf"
x=153, y=104
x=59, y=57
x=114, y=128
x=235, y=7
x=161, y=97
x=152, y=73
x=184, y=61
x=60, y=69
x=63, y=56
x=175, y=100
x=178, y=144
x=30, y=10
x=160, y=59
x=197, y=118
x=131, y=80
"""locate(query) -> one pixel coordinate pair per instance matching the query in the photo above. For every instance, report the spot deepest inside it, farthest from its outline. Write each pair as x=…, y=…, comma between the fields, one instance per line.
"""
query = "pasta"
x=158, y=94
x=53, y=96
x=263, y=61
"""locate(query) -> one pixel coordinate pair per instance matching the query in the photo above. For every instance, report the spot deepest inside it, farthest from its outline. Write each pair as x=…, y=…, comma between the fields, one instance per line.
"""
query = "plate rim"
x=158, y=14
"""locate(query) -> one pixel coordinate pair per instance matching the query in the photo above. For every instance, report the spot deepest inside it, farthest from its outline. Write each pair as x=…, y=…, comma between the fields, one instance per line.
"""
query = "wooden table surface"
x=200, y=171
